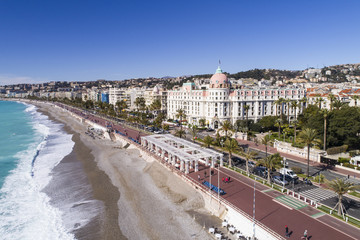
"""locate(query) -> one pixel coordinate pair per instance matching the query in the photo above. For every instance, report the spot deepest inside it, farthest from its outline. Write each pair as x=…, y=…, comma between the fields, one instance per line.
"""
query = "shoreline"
x=180, y=209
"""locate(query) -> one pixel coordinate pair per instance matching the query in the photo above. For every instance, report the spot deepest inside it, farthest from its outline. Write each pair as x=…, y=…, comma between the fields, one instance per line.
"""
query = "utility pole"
x=254, y=211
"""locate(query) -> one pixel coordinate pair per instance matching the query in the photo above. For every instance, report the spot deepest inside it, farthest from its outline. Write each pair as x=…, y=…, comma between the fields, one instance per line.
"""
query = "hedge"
x=336, y=150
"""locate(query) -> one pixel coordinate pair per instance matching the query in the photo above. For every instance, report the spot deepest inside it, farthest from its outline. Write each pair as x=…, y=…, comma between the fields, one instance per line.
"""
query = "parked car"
x=260, y=171
x=210, y=130
x=289, y=179
x=251, y=164
x=279, y=180
x=288, y=172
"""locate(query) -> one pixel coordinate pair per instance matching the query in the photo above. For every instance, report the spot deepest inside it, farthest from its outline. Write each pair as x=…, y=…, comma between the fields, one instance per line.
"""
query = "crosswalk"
x=291, y=202
x=318, y=194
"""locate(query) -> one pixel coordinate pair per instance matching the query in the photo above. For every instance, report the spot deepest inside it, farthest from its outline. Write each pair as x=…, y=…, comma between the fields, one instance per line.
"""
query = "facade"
x=217, y=101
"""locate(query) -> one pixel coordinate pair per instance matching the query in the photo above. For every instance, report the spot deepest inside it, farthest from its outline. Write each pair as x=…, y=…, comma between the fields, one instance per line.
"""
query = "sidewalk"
x=272, y=150
x=273, y=213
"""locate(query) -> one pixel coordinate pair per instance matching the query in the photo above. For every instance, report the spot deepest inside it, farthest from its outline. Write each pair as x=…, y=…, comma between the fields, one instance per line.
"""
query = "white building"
x=218, y=102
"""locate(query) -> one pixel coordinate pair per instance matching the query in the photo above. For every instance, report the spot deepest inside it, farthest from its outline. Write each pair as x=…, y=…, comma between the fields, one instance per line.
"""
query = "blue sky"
x=72, y=40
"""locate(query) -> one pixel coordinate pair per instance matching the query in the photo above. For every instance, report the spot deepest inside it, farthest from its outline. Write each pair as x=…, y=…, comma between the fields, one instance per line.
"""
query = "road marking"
x=291, y=202
x=282, y=204
x=317, y=215
x=268, y=190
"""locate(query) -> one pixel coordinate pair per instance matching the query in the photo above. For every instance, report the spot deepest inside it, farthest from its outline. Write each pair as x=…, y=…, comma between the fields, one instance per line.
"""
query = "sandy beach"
x=139, y=199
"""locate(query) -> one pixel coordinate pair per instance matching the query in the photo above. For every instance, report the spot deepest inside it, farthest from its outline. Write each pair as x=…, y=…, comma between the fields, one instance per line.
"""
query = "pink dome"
x=219, y=79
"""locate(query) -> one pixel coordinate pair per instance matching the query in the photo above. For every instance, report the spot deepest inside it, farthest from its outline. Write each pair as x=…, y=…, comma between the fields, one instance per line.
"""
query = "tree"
x=308, y=136
x=180, y=133
x=294, y=105
x=268, y=123
x=338, y=104
x=266, y=140
x=277, y=103
x=295, y=122
x=194, y=131
x=155, y=105
x=246, y=109
x=325, y=114
x=332, y=98
x=356, y=98
x=287, y=101
x=140, y=103
x=180, y=115
x=278, y=124
x=202, y=122
x=248, y=155
x=270, y=162
x=319, y=101
x=340, y=187
x=208, y=141
x=226, y=128
x=121, y=105
x=231, y=145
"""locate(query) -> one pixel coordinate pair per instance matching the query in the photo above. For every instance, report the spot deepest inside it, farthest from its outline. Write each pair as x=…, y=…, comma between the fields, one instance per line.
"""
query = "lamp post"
x=284, y=160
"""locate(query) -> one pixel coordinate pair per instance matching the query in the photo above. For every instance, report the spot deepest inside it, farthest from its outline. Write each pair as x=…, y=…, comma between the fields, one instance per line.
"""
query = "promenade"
x=273, y=209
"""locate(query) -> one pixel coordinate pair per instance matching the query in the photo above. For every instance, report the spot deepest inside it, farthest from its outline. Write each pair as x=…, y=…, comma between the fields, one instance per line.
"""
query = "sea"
x=31, y=147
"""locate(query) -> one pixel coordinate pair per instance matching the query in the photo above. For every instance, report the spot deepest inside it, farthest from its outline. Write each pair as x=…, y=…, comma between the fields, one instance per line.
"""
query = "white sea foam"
x=25, y=210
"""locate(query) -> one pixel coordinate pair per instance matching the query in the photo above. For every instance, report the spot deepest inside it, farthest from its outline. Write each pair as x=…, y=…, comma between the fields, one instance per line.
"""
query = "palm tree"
x=155, y=105
x=340, y=187
x=294, y=106
x=308, y=136
x=325, y=114
x=295, y=122
x=194, y=131
x=180, y=115
x=140, y=103
x=287, y=101
x=319, y=101
x=248, y=155
x=278, y=124
x=226, y=128
x=266, y=140
x=332, y=98
x=180, y=133
x=202, y=122
x=303, y=103
x=231, y=145
x=338, y=104
x=277, y=103
x=270, y=162
x=208, y=141
x=246, y=109
x=355, y=97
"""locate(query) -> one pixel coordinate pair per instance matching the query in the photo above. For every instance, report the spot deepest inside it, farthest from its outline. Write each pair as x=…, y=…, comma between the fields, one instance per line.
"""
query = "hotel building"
x=217, y=101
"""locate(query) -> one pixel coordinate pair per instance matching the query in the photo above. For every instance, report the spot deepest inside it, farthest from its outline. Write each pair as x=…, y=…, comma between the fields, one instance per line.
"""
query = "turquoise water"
x=30, y=147
x=16, y=134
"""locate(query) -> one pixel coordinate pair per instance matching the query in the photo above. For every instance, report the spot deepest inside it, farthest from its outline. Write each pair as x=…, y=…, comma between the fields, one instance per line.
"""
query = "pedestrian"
x=229, y=178
x=205, y=174
x=348, y=176
x=305, y=235
x=199, y=177
x=226, y=180
x=286, y=231
x=223, y=179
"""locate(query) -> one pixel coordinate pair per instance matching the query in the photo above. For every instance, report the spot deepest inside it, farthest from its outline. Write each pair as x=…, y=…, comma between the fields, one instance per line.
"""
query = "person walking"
x=305, y=235
x=223, y=179
x=199, y=177
x=205, y=174
x=286, y=231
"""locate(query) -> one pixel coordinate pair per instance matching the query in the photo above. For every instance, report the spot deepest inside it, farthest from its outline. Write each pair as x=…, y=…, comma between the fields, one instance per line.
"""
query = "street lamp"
x=284, y=161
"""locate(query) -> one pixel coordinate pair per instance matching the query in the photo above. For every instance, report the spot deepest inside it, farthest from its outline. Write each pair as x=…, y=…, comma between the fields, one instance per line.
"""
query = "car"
x=251, y=164
x=210, y=130
x=289, y=179
x=260, y=171
x=279, y=180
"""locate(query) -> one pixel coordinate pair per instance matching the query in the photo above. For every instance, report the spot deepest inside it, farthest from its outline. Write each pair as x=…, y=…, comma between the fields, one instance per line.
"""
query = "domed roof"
x=219, y=79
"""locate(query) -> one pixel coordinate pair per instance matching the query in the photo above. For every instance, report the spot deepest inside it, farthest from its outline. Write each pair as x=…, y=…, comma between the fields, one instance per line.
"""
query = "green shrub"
x=322, y=178
x=298, y=145
x=297, y=170
x=343, y=160
x=336, y=150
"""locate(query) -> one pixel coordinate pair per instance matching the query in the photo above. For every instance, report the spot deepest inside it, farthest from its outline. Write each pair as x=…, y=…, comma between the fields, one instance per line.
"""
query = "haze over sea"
x=30, y=147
